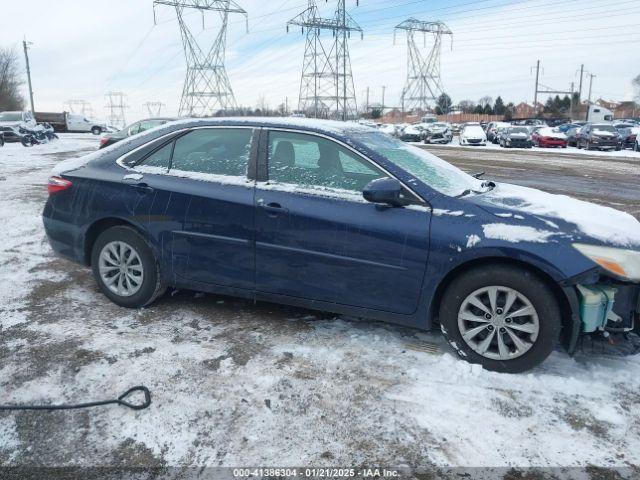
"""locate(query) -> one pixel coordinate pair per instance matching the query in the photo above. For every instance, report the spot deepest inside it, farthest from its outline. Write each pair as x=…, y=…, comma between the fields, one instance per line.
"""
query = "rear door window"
x=158, y=162
x=212, y=152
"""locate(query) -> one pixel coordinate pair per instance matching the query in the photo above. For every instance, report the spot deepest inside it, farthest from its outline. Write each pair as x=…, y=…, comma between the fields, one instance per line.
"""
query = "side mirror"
x=385, y=190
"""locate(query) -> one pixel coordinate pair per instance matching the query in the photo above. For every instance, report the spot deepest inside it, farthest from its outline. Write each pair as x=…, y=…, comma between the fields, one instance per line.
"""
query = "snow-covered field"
x=455, y=143
x=237, y=384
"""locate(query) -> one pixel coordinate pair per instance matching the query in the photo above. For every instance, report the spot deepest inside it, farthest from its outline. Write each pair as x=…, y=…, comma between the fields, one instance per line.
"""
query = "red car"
x=548, y=137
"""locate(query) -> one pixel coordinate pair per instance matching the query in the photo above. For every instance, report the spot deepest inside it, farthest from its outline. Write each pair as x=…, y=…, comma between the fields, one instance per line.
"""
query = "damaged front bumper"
x=602, y=305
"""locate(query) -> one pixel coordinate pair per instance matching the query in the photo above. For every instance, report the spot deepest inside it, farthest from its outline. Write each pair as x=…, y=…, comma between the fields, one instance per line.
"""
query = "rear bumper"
x=65, y=238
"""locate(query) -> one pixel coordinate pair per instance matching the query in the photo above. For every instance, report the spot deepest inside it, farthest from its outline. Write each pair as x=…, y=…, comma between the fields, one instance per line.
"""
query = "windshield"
x=10, y=117
x=433, y=171
x=519, y=130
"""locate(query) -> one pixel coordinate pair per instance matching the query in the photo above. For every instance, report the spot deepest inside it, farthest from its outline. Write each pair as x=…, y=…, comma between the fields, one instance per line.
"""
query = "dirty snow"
x=236, y=383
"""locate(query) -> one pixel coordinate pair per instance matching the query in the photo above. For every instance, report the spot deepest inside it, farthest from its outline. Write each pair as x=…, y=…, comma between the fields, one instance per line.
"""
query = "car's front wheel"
x=503, y=318
x=125, y=268
x=96, y=130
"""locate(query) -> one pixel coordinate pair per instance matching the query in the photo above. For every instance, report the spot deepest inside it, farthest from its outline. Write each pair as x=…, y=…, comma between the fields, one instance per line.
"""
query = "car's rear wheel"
x=503, y=318
x=125, y=268
x=96, y=130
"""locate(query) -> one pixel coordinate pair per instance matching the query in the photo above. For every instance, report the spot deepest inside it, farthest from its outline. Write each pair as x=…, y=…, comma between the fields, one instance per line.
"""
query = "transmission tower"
x=206, y=87
x=81, y=107
x=116, y=107
x=326, y=86
x=153, y=109
x=423, y=85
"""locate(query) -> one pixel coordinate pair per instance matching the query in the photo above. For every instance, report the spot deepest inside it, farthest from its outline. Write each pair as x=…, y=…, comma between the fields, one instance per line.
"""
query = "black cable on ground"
x=119, y=401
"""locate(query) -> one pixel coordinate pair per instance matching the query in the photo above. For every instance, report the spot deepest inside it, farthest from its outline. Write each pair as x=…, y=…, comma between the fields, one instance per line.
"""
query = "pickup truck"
x=71, y=122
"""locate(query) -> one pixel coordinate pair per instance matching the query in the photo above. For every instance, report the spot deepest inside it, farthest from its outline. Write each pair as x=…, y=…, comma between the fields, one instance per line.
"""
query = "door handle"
x=142, y=187
x=272, y=209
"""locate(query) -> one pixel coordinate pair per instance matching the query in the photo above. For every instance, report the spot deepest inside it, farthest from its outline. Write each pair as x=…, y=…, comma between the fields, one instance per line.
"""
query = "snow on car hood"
x=604, y=224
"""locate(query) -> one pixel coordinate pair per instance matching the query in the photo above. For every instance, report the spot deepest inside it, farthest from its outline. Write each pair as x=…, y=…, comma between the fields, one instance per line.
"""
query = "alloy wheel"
x=498, y=322
x=121, y=268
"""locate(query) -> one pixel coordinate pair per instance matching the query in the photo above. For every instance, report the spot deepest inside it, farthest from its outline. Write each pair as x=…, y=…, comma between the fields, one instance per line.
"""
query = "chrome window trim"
x=348, y=147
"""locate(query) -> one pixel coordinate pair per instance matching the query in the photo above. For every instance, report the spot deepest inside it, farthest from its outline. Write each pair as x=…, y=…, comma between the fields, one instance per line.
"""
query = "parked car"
x=472, y=134
x=133, y=129
x=492, y=130
x=517, y=137
x=437, y=133
x=628, y=133
x=11, y=134
x=572, y=135
x=412, y=133
x=389, y=129
x=71, y=122
x=548, y=137
x=599, y=136
x=500, y=134
x=565, y=127
x=17, y=120
x=636, y=146
x=344, y=218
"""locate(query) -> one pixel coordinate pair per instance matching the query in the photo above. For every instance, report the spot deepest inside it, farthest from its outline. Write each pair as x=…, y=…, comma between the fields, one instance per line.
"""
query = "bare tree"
x=467, y=106
x=486, y=100
x=636, y=84
x=10, y=97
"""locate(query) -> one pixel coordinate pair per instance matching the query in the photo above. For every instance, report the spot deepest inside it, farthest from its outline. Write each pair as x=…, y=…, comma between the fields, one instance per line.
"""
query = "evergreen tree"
x=443, y=104
x=487, y=110
x=498, y=107
x=479, y=110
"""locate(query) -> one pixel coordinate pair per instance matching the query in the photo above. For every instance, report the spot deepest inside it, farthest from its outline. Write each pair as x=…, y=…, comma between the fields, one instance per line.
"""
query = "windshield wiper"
x=488, y=185
x=478, y=175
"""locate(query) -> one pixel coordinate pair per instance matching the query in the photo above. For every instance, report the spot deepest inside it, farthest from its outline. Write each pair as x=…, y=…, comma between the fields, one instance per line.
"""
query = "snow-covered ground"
x=238, y=384
x=455, y=143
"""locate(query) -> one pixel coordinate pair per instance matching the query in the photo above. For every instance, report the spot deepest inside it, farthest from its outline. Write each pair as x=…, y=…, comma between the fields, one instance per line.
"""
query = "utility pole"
x=535, y=97
x=366, y=109
x=571, y=101
x=26, y=44
x=591, y=75
x=423, y=84
x=384, y=89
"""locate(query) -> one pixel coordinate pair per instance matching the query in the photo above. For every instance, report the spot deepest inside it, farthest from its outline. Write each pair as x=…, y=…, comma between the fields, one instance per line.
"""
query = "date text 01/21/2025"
x=314, y=473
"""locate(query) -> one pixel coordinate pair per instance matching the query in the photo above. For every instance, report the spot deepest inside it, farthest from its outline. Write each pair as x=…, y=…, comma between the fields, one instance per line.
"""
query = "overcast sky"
x=83, y=49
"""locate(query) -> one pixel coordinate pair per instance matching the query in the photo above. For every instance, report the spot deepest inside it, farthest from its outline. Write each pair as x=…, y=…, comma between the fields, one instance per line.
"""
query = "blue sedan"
x=344, y=218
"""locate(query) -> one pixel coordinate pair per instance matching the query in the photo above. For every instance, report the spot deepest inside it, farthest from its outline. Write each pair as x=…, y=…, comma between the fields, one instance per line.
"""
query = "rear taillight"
x=104, y=140
x=58, y=184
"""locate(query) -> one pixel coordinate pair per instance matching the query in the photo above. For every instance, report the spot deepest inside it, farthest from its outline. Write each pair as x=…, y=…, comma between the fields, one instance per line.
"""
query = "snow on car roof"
x=331, y=126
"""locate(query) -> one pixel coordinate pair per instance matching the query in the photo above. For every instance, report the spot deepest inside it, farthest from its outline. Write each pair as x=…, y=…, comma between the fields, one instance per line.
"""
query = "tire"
x=143, y=264
x=1, y=141
x=96, y=130
x=26, y=142
x=529, y=288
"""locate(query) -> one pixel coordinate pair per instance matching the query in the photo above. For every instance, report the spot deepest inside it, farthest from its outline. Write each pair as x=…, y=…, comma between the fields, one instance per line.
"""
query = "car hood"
x=562, y=215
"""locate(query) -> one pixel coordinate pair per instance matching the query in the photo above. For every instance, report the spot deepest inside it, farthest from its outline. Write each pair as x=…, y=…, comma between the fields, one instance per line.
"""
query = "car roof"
x=311, y=124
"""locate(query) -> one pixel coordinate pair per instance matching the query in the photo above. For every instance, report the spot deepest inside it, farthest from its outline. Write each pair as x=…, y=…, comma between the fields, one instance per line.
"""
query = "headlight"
x=620, y=262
